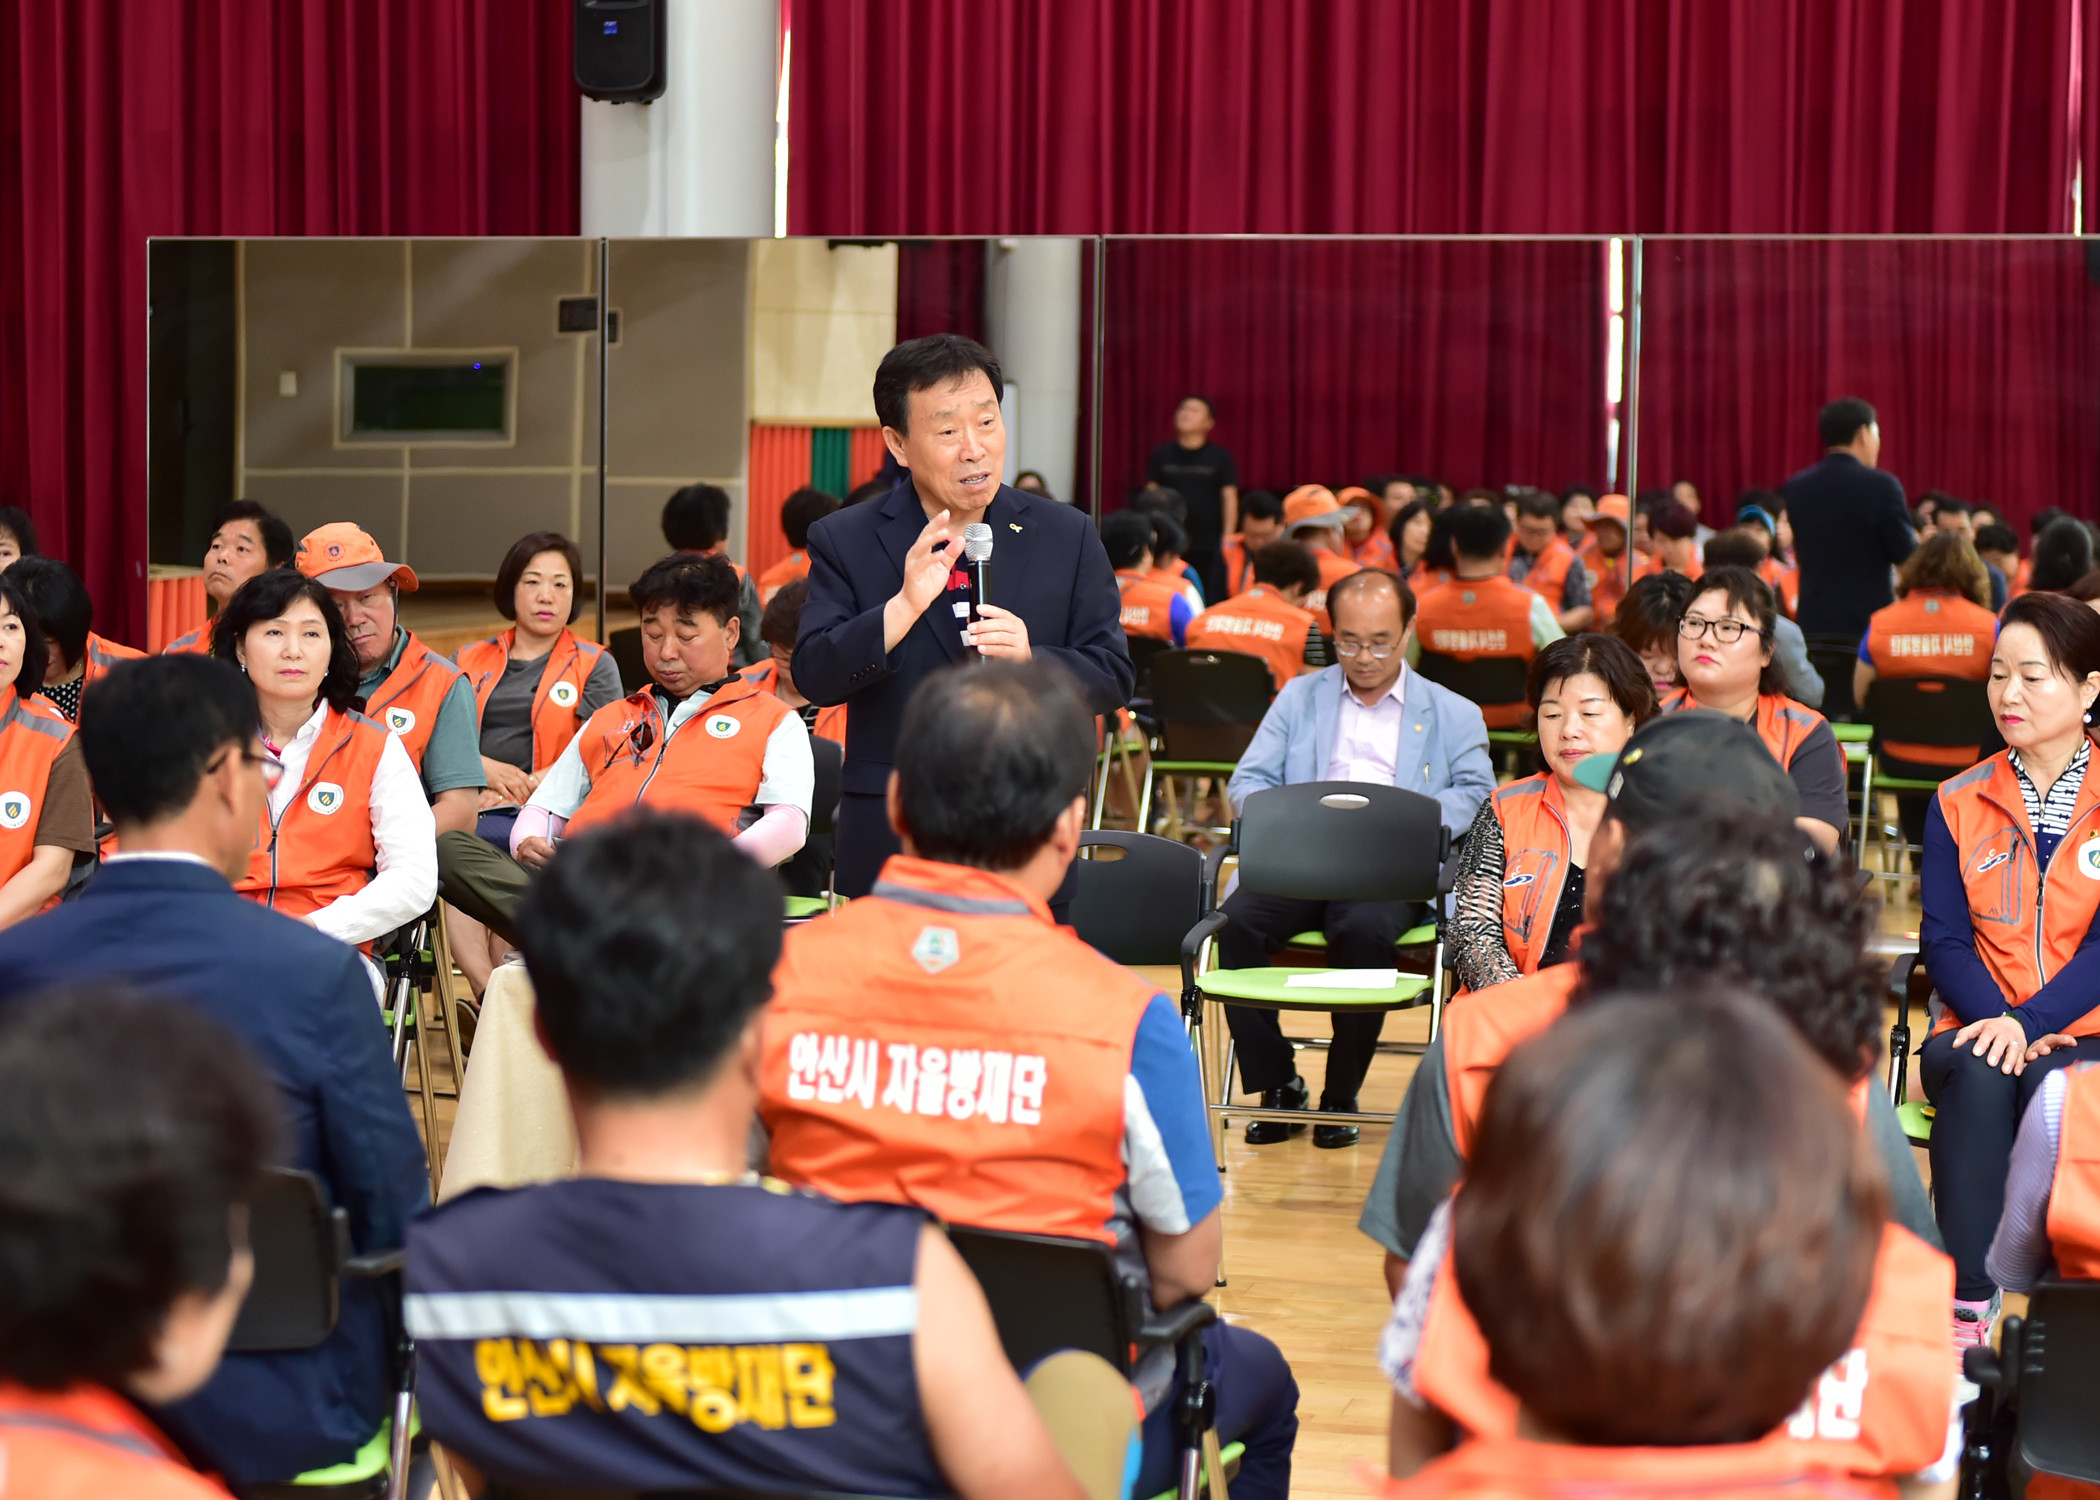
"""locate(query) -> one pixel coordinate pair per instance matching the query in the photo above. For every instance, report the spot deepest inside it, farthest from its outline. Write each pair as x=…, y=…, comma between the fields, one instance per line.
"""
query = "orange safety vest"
x=1481, y=1030
x=1422, y=578
x=790, y=568
x=320, y=848
x=87, y=1441
x=1239, y=568
x=1512, y=1469
x=1549, y=572
x=2028, y=922
x=407, y=702
x=1258, y=623
x=1535, y=859
x=2074, y=1195
x=196, y=643
x=1148, y=605
x=831, y=722
x=32, y=733
x=1375, y=551
x=557, y=707
x=1607, y=581
x=1880, y=1411
x=1333, y=569
x=101, y=656
x=1933, y=633
x=1788, y=586
x=1473, y=619
x=974, y=1066
x=710, y=768
x=1781, y=723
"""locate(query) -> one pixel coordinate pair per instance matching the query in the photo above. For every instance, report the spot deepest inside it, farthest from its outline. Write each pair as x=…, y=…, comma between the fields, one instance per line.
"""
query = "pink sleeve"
x=777, y=834
x=535, y=823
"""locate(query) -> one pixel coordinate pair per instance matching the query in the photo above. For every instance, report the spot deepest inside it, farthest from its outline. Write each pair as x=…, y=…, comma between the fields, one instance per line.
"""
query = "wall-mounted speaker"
x=620, y=50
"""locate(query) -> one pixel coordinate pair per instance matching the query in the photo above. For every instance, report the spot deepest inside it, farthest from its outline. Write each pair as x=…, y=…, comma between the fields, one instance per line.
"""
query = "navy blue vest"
x=663, y=1336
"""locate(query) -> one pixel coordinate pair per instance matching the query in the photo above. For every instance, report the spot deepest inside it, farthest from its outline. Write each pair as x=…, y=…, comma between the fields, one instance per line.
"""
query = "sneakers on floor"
x=1972, y=1324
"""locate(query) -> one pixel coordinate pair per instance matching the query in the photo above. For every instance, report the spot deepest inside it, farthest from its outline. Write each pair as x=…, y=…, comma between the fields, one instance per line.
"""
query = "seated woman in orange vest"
x=1646, y=620
x=66, y=614
x=535, y=686
x=47, y=820
x=1269, y=619
x=245, y=540
x=1604, y=555
x=1674, y=918
x=347, y=843
x=124, y=1234
x=1409, y=533
x=1518, y=899
x=798, y=513
x=1941, y=625
x=2010, y=888
x=698, y=739
x=1725, y=651
x=1480, y=614
x=1153, y=607
x=1666, y=1240
x=1364, y=533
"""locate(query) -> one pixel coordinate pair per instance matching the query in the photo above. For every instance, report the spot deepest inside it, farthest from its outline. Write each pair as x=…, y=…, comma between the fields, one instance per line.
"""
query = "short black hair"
x=2063, y=554
x=782, y=620
x=922, y=364
x=36, y=656
x=1997, y=538
x=702, y=584
x=988, y=757
x=696, y=518
x=650, y=941
x=1169, y=536
x=280, y=547
x=873, y=489
x=520, y=556
x=2043, y=519
x=1948, y=505
x=802, y=510
x=1161, y=500
x=59, y=600
x=1261, y=505
x=267, y=596
x=1537, y=503
x=1736, y=547
x=1283, y=563
x=1744, y=590
x=1573, y=490
x=1208, y=405
x=1126, y=535
x=16, y=523
x=130, y=1130
x=1840, y=421
x=1479, y=532
x=1350, y=585
x=148, y=729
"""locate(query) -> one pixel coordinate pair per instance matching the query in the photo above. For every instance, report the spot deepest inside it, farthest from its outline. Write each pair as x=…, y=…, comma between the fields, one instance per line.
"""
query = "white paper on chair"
x=1344, y=979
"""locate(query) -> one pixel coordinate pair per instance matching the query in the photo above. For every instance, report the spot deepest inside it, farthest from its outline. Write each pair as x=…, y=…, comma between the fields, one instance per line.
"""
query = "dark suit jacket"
x=1047, y=567
x=305, y=1004
x=1850, y=527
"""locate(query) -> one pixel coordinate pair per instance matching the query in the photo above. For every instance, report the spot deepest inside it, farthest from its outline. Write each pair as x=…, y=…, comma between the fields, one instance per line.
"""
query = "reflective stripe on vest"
x=1880, y=1410
x=2074, y=1196
x=407, y=703
x=1259, y=624
x=101, y=656
x=319, y=848
x=32, y=733
x=562, y=677
x=710, y=765
x=1784, y=726
x=1535, y=856
x=196, y=643
x=1475, y=1044
x=975, y=1065
x=831, y=722
x=2027, y=923
x=1148, y=605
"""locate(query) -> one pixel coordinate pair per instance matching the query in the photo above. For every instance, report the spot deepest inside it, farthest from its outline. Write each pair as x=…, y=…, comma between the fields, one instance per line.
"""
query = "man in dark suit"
x=1851, y=525
x=171, y=745
x=889, y=601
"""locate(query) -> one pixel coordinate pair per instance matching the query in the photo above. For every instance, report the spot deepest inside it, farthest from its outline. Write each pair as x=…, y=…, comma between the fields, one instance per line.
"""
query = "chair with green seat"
x=1907, y=974
x=1936, y=713
x=1206, y=706
x=1855, y=742
x=1324, y=841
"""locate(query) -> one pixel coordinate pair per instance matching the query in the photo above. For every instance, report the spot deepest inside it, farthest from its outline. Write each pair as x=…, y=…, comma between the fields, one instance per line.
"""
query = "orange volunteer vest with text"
x=1260, y=624
x=407, y=702
x=710, y=768
x=831, y=722
x=320, y=847
x=557, y=708
x=2027, y=923
x=32, y=733
x=1933, y=633
x=1472, y=619
x=1535, y=855
x=2074, y=1196
x=974, y=1065
x=1148, y=605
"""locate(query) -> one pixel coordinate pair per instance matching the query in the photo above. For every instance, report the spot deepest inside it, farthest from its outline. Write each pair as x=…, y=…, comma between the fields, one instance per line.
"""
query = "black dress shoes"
x=1293, y=1095
x=1335, y=1137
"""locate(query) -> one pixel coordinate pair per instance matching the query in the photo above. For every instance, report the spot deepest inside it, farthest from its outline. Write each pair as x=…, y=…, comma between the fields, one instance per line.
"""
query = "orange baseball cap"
x=1314, y=505
x=344, y=557
x=1614, y=508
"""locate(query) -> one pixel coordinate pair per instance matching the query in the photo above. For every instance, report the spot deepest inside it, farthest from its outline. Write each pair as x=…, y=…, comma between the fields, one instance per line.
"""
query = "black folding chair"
x=1490, y=682
x=829, y=761
x=302, y=1256
x=1048, y=1294
x=626, y=648
x=1137, y=895
x=1143, y=648
x=1908, y=983
x=1832, y=656
x=1205, y=708
x=422, y=998
x=2040, y=1390
x=1938, y=712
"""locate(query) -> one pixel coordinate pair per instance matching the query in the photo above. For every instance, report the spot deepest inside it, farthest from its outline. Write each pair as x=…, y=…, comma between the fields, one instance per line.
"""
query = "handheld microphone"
x=977, y=560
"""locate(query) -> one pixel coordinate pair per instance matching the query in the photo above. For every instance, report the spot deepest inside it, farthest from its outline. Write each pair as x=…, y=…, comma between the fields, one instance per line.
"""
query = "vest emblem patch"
x=400, y=720
x=2089, y=859
x=723, y=726
x=936, y=948
x=562, y=695
x=325, y=798
x=14, y=809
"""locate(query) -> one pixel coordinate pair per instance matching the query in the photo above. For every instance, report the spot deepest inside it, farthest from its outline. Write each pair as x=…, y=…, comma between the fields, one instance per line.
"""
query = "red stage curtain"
x=1479, y=361
x=940, y=288
x=1982, y=358
x=1433, y=116
x=119, y=121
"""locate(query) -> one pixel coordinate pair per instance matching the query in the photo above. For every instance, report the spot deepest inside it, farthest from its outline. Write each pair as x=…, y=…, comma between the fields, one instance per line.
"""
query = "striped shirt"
x=2050, y=817
x=2020, y=1254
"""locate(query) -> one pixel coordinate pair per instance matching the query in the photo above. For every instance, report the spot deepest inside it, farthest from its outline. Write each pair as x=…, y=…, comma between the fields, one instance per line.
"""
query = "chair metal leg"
x=1144, y=817
x=414, y=997
x=1101, y=766
x=1436, y=991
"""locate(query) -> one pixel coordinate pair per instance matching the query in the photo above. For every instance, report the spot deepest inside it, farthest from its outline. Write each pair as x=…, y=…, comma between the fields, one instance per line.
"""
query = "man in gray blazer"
x=1366, y=719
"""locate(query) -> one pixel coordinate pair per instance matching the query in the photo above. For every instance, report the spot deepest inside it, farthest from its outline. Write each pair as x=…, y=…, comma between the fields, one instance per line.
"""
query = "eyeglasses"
x=1727, y=632
x=1354, y=648
x=272, y=767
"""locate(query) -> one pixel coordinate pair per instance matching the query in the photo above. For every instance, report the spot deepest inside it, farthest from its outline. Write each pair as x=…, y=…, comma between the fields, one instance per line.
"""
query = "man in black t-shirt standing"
x=1205, y=476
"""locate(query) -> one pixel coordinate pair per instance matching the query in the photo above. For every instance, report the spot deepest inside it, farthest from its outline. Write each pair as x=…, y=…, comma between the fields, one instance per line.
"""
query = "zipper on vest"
x=2041, y=891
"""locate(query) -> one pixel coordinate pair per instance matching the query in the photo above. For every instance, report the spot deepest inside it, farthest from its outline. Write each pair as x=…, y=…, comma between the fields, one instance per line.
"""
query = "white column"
x=697, y=162
x=1032, y=318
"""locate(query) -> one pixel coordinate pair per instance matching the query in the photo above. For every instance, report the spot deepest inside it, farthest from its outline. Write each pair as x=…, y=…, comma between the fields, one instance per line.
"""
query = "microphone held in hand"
x=977, y=562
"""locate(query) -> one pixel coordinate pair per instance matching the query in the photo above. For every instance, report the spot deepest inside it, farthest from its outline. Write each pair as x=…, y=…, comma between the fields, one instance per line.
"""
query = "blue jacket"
x=1443, y=744
x=1047, y=566
x=304, y=1003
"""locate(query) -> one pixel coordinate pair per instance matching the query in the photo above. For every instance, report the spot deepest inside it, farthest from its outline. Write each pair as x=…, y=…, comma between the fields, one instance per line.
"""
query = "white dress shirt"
x=1367, y=740
x=404, y=833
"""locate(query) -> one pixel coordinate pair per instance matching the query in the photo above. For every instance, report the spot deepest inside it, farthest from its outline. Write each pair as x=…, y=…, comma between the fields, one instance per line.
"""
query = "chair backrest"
x=1490, y=681
x=1143, y=648
x=830, y=762
x=1208, y=703
x=1341, y=841
x=299, y=1245
x=2059, y=1380
x=1138, y=894
x=1937, y=711
x=1832, y=656
x=1048, y=1294
x=626, y=648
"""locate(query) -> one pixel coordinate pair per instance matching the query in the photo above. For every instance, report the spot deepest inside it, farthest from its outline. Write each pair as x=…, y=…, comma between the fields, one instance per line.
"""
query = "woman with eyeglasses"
x=47, y=819
x=1724, y=653
x=348, y=842
x=1518, y=899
